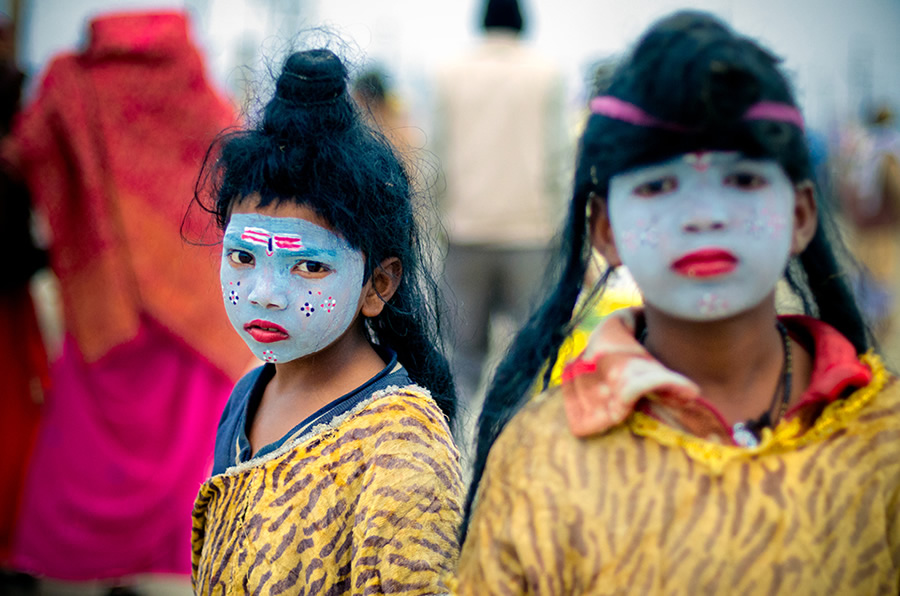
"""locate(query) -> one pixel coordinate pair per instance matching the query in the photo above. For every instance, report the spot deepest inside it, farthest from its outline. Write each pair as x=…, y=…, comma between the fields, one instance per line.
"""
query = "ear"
x=805, y=216
x=601, y=231
x=381, y=286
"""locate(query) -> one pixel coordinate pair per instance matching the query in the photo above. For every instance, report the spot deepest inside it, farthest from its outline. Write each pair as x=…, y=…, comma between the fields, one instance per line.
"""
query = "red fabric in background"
x=23, y=370
x=111, y=149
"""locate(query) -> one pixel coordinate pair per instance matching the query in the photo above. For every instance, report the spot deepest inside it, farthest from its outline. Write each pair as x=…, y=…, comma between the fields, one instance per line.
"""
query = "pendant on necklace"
x=743, y=436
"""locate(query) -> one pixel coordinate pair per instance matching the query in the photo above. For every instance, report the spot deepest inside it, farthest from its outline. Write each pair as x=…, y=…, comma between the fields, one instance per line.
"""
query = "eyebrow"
x=651, y=171
x=659, y=169
x=315, y=252
x=237, y=239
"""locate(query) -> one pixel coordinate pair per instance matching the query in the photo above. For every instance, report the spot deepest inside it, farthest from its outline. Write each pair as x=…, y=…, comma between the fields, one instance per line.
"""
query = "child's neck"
x=347, y=363
x=303, y=386
x=737, y=362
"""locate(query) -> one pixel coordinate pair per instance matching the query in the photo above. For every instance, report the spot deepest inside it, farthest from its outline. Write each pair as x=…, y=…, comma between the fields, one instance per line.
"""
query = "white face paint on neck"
x=705, y=235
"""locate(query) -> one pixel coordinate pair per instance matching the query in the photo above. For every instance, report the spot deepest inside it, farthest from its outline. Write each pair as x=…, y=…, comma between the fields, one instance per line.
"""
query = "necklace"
x=747, y=433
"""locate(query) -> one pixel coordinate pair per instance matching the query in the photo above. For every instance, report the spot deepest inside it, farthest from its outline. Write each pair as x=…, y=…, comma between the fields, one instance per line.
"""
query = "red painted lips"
x=265, y=331
x=707, y=262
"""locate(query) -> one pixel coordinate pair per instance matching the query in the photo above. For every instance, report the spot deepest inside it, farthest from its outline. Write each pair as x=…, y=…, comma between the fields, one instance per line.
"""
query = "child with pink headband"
x=715, y=439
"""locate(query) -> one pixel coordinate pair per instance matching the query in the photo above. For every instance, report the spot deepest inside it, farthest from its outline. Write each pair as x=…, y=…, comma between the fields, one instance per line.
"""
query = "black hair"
x=312, y=146
x=503, y=14
x=692, y=70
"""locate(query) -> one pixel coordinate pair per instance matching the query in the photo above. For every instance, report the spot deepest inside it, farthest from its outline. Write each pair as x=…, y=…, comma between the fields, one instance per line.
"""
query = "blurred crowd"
x=116, y=353
x=861, y=174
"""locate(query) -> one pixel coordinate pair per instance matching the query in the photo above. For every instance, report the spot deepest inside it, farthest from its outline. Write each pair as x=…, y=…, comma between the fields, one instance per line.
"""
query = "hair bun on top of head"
x=311, y=101
x=311, y=77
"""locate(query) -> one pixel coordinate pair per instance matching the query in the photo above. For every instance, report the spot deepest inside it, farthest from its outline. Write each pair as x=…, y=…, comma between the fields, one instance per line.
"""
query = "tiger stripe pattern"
x=368, y=504
x=631, y=512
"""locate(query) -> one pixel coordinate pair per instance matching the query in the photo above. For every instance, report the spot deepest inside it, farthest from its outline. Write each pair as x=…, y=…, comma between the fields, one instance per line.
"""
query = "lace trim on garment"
x=787, y=436
x=318, y=429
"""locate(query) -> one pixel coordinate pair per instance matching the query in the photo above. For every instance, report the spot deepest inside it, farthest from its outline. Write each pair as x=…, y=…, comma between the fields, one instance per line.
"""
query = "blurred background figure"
x=110, y=149
x=23, y=360
x=374, y=93
x=500, y=135
x=868, y=191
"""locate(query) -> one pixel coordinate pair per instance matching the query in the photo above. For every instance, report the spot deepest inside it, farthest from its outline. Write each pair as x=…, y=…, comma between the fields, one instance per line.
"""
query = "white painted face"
x=705, y=235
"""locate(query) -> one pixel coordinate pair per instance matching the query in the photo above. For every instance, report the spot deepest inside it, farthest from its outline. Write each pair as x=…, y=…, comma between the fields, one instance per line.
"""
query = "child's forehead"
x=255, y=226
x=279, y=208
x=699, y=161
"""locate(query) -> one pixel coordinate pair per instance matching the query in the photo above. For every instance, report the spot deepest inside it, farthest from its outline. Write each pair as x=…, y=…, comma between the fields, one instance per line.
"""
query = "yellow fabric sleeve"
x=409, y=508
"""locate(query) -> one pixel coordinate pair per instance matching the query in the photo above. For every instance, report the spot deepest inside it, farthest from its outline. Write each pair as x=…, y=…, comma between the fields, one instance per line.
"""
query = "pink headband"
x=617, y=109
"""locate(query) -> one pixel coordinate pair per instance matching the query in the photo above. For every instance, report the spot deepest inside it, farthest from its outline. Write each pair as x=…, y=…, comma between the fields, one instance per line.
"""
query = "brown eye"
x=657, y=187
x=746, y=181
x=240, y=257
x=312, y=269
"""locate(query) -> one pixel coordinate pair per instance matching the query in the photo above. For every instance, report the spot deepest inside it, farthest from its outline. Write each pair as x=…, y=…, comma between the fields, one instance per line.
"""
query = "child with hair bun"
x=706, y=442
x=335, y=471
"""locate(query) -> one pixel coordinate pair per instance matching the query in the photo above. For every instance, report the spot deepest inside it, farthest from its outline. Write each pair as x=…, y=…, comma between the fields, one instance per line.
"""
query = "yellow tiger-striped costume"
x=643, y=509
x=368, y=504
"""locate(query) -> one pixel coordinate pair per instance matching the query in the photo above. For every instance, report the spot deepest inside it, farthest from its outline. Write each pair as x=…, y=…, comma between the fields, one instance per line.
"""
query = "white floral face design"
x=705, y=235
x=290, y=287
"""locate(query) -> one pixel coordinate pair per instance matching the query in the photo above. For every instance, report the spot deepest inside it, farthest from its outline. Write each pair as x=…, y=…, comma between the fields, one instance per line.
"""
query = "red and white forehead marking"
x=290, y=242
x=699, y=160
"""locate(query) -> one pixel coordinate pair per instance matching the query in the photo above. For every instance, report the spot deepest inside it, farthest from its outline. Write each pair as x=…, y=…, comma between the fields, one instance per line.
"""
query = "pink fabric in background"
x=124, y=445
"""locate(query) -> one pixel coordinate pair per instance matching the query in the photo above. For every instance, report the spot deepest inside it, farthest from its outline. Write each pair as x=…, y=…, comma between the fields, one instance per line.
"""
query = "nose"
x=706, y=212
x=268, y=293
x=703, y=223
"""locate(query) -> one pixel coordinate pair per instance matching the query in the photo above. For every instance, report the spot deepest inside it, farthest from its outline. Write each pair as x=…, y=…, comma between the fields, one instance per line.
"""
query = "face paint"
x=705, y=235
x=290, y=287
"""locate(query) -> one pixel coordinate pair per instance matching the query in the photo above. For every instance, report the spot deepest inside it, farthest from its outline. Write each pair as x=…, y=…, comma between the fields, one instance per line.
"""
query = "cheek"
x=751, y=221
x=325, y=301
x=641, y=229
x=316, y=303
x=766, y=220
x=232, y=292
x=234, y=285
x=644, y=234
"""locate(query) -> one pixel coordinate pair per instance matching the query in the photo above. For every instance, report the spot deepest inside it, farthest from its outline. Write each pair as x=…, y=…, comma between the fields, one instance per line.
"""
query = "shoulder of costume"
x=383, y=410
x=885, y=389
x=541, y=421
x=409, y=400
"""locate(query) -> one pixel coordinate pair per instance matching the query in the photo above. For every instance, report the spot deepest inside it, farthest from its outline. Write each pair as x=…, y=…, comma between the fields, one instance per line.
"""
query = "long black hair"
x=312, y=146
x=692, y=70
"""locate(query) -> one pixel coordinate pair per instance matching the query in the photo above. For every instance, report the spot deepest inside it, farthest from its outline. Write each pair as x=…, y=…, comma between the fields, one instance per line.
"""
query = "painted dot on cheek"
x=329, y=304
x=629, y=239
x=755, y=227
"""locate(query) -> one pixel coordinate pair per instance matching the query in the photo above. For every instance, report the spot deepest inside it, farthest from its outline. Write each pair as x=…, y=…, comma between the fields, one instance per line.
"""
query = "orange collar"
x=616, y=375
